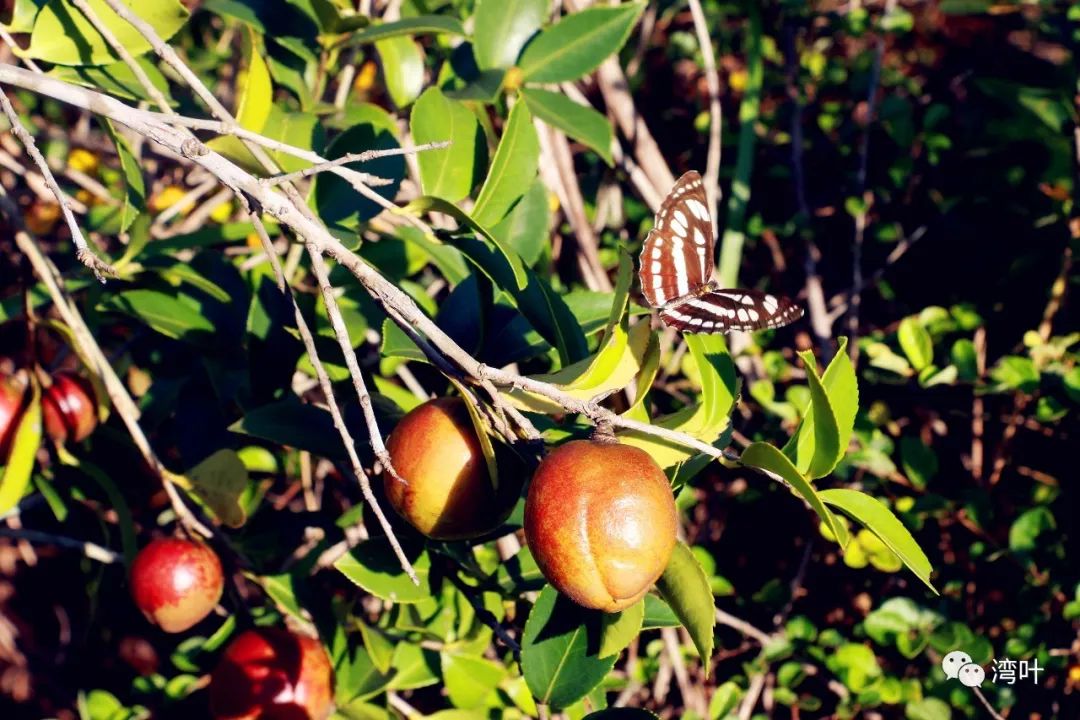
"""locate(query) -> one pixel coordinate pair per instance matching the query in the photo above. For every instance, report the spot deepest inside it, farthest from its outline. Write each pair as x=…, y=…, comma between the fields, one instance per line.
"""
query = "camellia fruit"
x=11, y=402
x=600, y=520
x=68, y=409
x=176, y=583
x=272, y=674
x=447, y=493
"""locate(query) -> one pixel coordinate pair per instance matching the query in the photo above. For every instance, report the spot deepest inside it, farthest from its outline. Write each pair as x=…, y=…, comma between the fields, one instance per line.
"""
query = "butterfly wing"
x=677, y=258
x=728, y=310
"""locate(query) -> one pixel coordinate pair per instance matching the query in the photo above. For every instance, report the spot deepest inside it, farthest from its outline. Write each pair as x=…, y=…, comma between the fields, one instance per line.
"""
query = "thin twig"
x=716, y=116
x=365, y=156
x=337, y=322
x=82, y=249
x=122, y=403
x=724, y=618
x=91, y=550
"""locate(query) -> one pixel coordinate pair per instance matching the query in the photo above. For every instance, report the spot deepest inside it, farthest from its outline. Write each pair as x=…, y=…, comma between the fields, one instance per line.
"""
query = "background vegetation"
x=907, y=170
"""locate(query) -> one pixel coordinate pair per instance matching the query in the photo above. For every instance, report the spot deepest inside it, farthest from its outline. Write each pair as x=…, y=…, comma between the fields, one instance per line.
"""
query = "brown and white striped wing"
x=677, y=258
x=728, y=310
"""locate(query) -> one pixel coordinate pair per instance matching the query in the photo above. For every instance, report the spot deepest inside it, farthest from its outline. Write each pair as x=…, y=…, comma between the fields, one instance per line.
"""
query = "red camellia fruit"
x=68, y=409
x=447, y=493
x=600, y=520
x=272, y=674
x=176, y=583
x=11, y=403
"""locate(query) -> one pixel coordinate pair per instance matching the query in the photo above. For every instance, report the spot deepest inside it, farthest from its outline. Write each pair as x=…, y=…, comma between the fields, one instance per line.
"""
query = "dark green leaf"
x=765, y=456
x=559, y=650
x=503, y=28
x=580, y=122
x=373, y=566
x=419, y=25
x=578, y=43
x=64, y=36
x=512, y=169
x=686, y=589
x=618, y=629
x=877, y=518
x=448, y=173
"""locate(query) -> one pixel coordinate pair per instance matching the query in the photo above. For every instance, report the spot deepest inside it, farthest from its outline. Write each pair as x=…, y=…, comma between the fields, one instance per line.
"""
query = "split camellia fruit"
x=272, y=674
x=176, y=583
x=600, y=520
x=11, y=401
x=68, y=409
x=447, y=493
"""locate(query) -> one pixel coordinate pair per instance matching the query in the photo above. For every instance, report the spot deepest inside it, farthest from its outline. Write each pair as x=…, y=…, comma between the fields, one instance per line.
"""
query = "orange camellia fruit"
x=68, y=409
x=175, y=583
x=600, y=520
x=447, y=493
x=272, y=674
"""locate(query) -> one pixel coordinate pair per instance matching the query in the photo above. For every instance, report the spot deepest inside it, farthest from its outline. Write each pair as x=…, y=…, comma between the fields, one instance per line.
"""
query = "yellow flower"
x=365, y=79
x=82, y=160
x=169, y=196
x=222, y=212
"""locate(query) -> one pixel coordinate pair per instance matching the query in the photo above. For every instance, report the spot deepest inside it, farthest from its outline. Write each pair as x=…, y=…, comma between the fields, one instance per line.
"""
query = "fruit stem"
x=604, y=432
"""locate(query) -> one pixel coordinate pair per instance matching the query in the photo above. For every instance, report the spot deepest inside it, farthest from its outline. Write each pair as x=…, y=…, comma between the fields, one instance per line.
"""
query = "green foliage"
x=943, y=426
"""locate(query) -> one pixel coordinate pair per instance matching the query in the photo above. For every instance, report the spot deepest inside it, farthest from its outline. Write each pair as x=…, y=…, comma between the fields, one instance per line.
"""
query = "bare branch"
x=716, y=116
x=82, y=249
x=122, y=403
x=365, y=156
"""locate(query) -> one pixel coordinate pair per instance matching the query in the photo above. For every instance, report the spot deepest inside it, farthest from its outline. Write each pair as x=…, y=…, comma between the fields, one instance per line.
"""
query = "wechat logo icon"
x=958, y=666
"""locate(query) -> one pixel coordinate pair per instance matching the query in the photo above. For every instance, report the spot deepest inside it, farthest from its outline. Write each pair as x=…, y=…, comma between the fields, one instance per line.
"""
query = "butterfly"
x=677, y=266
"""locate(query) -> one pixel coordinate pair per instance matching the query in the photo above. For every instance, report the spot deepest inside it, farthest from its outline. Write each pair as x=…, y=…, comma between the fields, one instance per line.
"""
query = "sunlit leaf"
x=686, y=589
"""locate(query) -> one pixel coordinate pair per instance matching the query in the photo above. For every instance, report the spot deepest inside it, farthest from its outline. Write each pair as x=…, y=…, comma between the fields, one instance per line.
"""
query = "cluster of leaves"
x=209, y=349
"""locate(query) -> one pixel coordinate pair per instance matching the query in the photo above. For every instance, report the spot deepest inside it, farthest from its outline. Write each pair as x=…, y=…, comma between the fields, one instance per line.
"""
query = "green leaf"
x=419, y=25
x=336, y=201
x=24, y=446
x=416, y=667
x=433, y=204
x=470, y=681
x=403, y=68
x=525, y=228
x=686, y=589
x=709, y=419
x=512, y=169
x=502, y=28
x=448, y=173
x=816, y=449
x=877, y=518
x=614, y=365
x=1025, y=530
x=520, y=574
x=658, y=614
x=379, y=647
x=22, y=13
x=293, y=423
x=282, y=590
x=64, y=36
x=580, y=122
x=963, y=356
x=218, y=481
x=167, y=314
x=117, y=79
x=920, y=462
x=618, y=629
x=373, y=566
x=930, y=708
x=915, y=342
x=766, y=457
x=559, y=650
x=578, y=43
x=825, y=449
x=724, y=700
x=134, y=185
